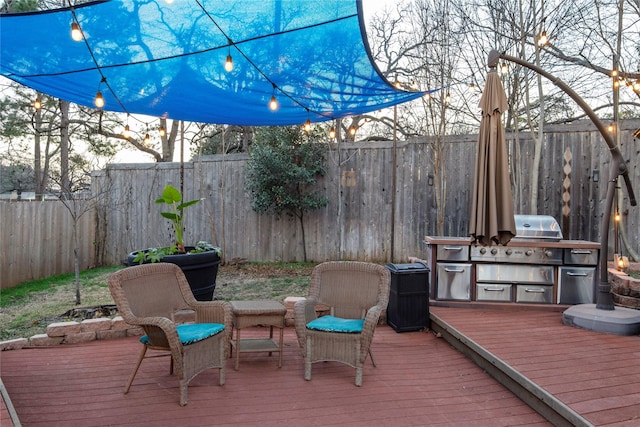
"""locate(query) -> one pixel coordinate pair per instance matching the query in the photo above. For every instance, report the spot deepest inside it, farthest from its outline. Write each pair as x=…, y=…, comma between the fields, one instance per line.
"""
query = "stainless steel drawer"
x=453, y=281
x=493, y=292
x=576, y=285
x=453, y=252
x=534, y=293
x=515, y=273
x=581, y=256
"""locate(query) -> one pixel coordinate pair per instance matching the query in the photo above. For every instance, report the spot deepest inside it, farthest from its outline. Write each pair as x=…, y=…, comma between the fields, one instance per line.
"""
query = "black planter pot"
x=200, y=269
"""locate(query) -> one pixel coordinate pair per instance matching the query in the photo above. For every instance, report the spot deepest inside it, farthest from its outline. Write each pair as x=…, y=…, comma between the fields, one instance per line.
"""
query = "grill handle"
x=493, y=289
x=454, y=270
x=570, y=273
x=535, y=290
x=453, y=248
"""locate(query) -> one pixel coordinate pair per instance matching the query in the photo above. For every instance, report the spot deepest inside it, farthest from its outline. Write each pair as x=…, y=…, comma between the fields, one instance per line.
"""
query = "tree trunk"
x=65, y=185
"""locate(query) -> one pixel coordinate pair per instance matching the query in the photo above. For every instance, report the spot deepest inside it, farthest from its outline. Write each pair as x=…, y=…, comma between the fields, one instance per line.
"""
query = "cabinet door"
x=454, y=282
x=576, y=285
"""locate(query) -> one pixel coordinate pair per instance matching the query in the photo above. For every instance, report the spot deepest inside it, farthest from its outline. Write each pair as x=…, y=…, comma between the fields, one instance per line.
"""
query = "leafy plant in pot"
x=199, y=263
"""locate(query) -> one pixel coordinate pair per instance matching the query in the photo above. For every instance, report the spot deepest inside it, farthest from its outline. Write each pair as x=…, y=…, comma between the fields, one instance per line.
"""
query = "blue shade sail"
x=167, y=59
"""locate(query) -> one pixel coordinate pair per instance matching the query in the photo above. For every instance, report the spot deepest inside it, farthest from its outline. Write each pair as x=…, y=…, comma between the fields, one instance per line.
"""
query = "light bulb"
x=162, y=131
x=76, y=34
x=147, y=138
x=37, y=104
x=352, y=130
x=307, y=126
x=636, y=86
x=447, y=97
x=127, y=132
x=332, y=132
x=99, y=100
x=617, y=217
x=611, y=128
x=273, y=103
x=543, y=40
x=228, y=65
x=504, y=69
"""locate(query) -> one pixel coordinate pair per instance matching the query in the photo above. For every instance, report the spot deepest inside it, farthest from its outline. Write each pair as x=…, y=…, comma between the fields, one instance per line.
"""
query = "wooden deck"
x=420, y=380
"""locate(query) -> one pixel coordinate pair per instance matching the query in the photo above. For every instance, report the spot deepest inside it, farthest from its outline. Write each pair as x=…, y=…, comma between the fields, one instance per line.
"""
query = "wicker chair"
x=356, y=293
x=151, y=295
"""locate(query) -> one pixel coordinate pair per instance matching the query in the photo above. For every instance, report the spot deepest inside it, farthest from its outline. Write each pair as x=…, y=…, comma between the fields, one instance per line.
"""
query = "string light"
x=162, y=131
x=99, y=100
x=273, y=102
x=147, y=139
x=504, y=68
x=611, y=128
x=307, y=124
x=228, y=64
x=352, y=130
x=447, y=97
x=617, y=217
x=636, y=86
x=543, y=39
x=37, y=104
x=76, y=33
x=332, y=133
x=127, y=132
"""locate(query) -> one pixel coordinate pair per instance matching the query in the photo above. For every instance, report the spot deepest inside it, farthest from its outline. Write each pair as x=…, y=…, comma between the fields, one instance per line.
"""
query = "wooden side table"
x=254, y=313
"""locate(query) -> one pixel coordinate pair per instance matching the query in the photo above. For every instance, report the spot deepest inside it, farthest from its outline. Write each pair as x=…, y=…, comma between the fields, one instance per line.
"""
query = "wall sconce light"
x=348, y=179
x=595, y=175
x=430, y=180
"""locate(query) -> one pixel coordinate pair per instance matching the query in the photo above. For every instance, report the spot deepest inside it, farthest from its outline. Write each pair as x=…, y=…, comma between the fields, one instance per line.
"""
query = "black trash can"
x=408, y=308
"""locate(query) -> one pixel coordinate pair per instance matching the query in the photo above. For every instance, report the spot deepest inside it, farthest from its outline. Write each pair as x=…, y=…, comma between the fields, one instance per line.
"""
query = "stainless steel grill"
x=539, y=227
x=529, y=228
x=536, y=266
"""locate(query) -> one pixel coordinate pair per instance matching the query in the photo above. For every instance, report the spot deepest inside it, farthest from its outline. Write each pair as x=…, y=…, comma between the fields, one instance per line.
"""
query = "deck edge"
x=540, y=400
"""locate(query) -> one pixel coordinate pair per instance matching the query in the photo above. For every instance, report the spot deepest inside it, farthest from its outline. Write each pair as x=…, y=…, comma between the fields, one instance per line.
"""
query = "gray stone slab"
x=620, y=321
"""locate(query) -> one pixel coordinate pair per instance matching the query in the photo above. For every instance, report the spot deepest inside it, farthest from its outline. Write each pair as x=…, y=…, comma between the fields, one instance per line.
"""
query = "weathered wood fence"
x=37, y=241
x=371, y=216
x=369, y=220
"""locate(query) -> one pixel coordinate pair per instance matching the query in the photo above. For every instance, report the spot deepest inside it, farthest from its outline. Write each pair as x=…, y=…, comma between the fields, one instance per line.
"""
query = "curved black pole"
x=618, y=167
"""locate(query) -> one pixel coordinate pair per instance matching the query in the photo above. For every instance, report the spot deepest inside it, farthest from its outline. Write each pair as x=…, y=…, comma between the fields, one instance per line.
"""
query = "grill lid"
x=542, y=227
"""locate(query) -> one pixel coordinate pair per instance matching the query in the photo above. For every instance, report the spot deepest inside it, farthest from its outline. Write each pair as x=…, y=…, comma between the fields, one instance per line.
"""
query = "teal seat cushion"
x=190, y=333
x=336, y=324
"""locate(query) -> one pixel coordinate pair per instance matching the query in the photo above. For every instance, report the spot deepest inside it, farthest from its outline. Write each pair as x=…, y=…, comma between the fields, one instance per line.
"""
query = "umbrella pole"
x=618, y=167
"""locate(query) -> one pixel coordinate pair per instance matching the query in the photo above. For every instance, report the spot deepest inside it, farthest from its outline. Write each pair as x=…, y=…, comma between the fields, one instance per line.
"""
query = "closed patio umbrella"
x=492, y=220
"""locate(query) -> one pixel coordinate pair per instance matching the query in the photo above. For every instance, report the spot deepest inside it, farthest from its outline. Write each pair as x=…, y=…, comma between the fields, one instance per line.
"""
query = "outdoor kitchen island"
x=526, y=270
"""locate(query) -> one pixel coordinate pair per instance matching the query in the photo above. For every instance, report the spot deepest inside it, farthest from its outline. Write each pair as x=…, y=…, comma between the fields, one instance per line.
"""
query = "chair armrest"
x=305, y=310
x=213, y=312
x=370, y=322
x=216, y=312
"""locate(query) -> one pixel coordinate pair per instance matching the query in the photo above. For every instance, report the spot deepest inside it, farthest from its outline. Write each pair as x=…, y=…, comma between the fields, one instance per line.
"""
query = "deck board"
x=419, y=380
x=595, y=374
